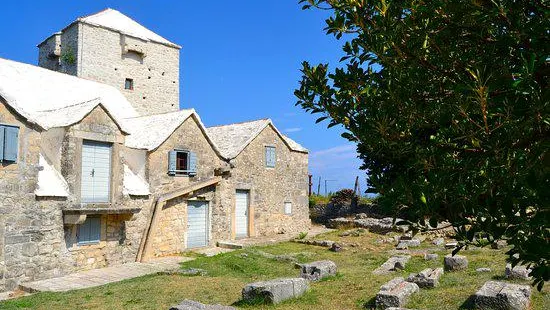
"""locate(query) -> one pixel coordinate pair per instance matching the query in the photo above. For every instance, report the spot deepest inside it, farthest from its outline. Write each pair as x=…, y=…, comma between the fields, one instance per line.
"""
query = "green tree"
x=448, y=102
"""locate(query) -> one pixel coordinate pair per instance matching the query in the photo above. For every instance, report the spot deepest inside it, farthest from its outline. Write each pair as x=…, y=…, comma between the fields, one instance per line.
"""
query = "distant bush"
x=315, y=200
x=344, y=197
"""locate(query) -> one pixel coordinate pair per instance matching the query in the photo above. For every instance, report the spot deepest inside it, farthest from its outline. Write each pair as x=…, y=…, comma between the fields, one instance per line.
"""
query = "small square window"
x=288, y=207
x=129, y=84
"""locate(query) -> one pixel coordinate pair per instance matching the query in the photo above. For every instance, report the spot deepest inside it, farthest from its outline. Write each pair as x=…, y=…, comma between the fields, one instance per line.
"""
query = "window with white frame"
x=288, y=207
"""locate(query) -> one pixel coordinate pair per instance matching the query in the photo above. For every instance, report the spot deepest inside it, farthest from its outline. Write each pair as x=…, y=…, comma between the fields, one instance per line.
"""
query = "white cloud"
x=339, y=163
x=294, y=129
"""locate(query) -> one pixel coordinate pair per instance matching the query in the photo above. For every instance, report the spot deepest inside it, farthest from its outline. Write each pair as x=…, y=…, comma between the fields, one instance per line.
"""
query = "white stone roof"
x=52, y=99
x=295, y=146
x=150, y=131
x=133, y=184
x=234, y=138
x=114, y=20
x=50, y=182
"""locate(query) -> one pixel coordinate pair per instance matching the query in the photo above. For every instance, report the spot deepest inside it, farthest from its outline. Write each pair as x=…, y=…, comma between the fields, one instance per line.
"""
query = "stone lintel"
x=87, y=211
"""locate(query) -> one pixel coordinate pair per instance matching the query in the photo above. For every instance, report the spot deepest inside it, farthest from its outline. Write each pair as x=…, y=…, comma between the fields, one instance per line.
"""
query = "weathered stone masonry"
x=39, y=233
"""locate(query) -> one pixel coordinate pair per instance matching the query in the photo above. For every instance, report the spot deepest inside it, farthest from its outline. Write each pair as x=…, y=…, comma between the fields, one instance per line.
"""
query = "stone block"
x=318, y=270
x=518, y=272
x=483, y=269
x=430, y=256
x=395, y=293
x=411, y=243
x=438, y=241
x=451, y=245
x=501, y=295
x=74, y=219
x=193, y=305
x=427, y=278
x=499, y=244
x=336, y=247
x=402, y=246
x=392, y=264
x=275, y=291
x=229, y=245
x=457, y=262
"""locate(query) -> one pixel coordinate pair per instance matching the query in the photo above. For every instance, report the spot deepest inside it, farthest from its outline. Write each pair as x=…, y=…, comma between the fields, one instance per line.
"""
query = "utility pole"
x=310, y=184
x=357, y=188
x=319, y=187
x=326, y=186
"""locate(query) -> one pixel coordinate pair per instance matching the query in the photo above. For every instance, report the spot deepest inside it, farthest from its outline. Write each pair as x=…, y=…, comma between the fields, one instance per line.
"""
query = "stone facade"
x=110, y=57
x=171, y=231
x=270, y=188
x=39, y=234
x=34, y=241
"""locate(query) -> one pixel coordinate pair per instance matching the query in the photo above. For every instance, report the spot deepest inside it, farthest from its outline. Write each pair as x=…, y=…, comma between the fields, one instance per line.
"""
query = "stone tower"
x=111, y=48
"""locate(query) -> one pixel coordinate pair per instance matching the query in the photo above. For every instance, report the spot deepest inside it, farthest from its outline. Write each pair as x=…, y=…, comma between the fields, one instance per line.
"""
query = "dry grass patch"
x=354, y=287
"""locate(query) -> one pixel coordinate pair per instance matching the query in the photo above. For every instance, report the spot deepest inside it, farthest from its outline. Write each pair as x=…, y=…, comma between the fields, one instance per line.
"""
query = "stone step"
x=229, y=245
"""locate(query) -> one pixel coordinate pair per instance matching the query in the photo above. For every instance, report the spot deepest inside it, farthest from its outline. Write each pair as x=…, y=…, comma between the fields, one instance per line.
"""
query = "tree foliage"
x=448, y=102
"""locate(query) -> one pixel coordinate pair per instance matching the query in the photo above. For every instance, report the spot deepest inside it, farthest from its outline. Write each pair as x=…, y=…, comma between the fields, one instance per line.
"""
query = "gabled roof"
x=150, y=131
x=51, y=99
x=116, y=21
x=234, y=138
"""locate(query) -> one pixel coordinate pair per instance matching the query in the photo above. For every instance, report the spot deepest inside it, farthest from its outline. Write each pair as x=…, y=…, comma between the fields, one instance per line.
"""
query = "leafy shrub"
x=302, y=235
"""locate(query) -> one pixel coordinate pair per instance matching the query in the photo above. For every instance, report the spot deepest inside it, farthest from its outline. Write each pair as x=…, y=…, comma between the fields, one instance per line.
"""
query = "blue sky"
x=240, y=61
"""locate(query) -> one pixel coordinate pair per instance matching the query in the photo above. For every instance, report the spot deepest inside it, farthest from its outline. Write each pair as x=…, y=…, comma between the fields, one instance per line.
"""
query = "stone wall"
x=30, y=231
x=270, y=188
x=49, y=53
x=34, y=242
x=170, y=233
x=110, y=57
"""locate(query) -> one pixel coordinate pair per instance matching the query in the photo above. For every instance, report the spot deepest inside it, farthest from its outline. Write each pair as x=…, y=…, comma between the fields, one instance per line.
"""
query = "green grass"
x=352, y=288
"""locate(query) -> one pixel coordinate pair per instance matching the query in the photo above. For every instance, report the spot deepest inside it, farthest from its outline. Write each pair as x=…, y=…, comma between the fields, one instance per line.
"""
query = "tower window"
x=129, y=84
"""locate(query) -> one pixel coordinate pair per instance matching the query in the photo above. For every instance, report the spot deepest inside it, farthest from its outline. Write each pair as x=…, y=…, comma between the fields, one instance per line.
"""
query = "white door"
x=197, y=224
x=96, y=172
x=241, y=214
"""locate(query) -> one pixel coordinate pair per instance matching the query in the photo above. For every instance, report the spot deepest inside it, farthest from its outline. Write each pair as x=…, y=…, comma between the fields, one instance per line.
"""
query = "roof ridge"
x=163, y=113
x=97, y=13
x=70, y=106
x=240, y=123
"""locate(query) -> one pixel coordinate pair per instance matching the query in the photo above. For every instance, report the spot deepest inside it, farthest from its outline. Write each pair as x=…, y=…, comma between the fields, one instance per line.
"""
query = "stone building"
x=111, y=48
x=99, y=166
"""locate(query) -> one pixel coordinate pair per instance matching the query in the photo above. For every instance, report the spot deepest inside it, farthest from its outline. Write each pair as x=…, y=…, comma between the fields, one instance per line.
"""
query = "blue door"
x=197, y=224
x=96, y=172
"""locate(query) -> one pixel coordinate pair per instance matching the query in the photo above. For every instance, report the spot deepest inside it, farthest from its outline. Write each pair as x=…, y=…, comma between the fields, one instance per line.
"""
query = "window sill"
x=80, y=244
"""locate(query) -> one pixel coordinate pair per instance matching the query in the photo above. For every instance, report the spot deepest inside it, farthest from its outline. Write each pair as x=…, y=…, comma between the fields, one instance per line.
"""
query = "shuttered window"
x=89, y=232
x=9, y=143
x=182, y=162
x=270, y=157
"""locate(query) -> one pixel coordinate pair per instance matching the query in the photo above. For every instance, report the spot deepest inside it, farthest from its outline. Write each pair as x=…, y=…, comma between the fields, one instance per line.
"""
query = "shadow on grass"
x=469, y=303
x=256, y=301
x=370, y=304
